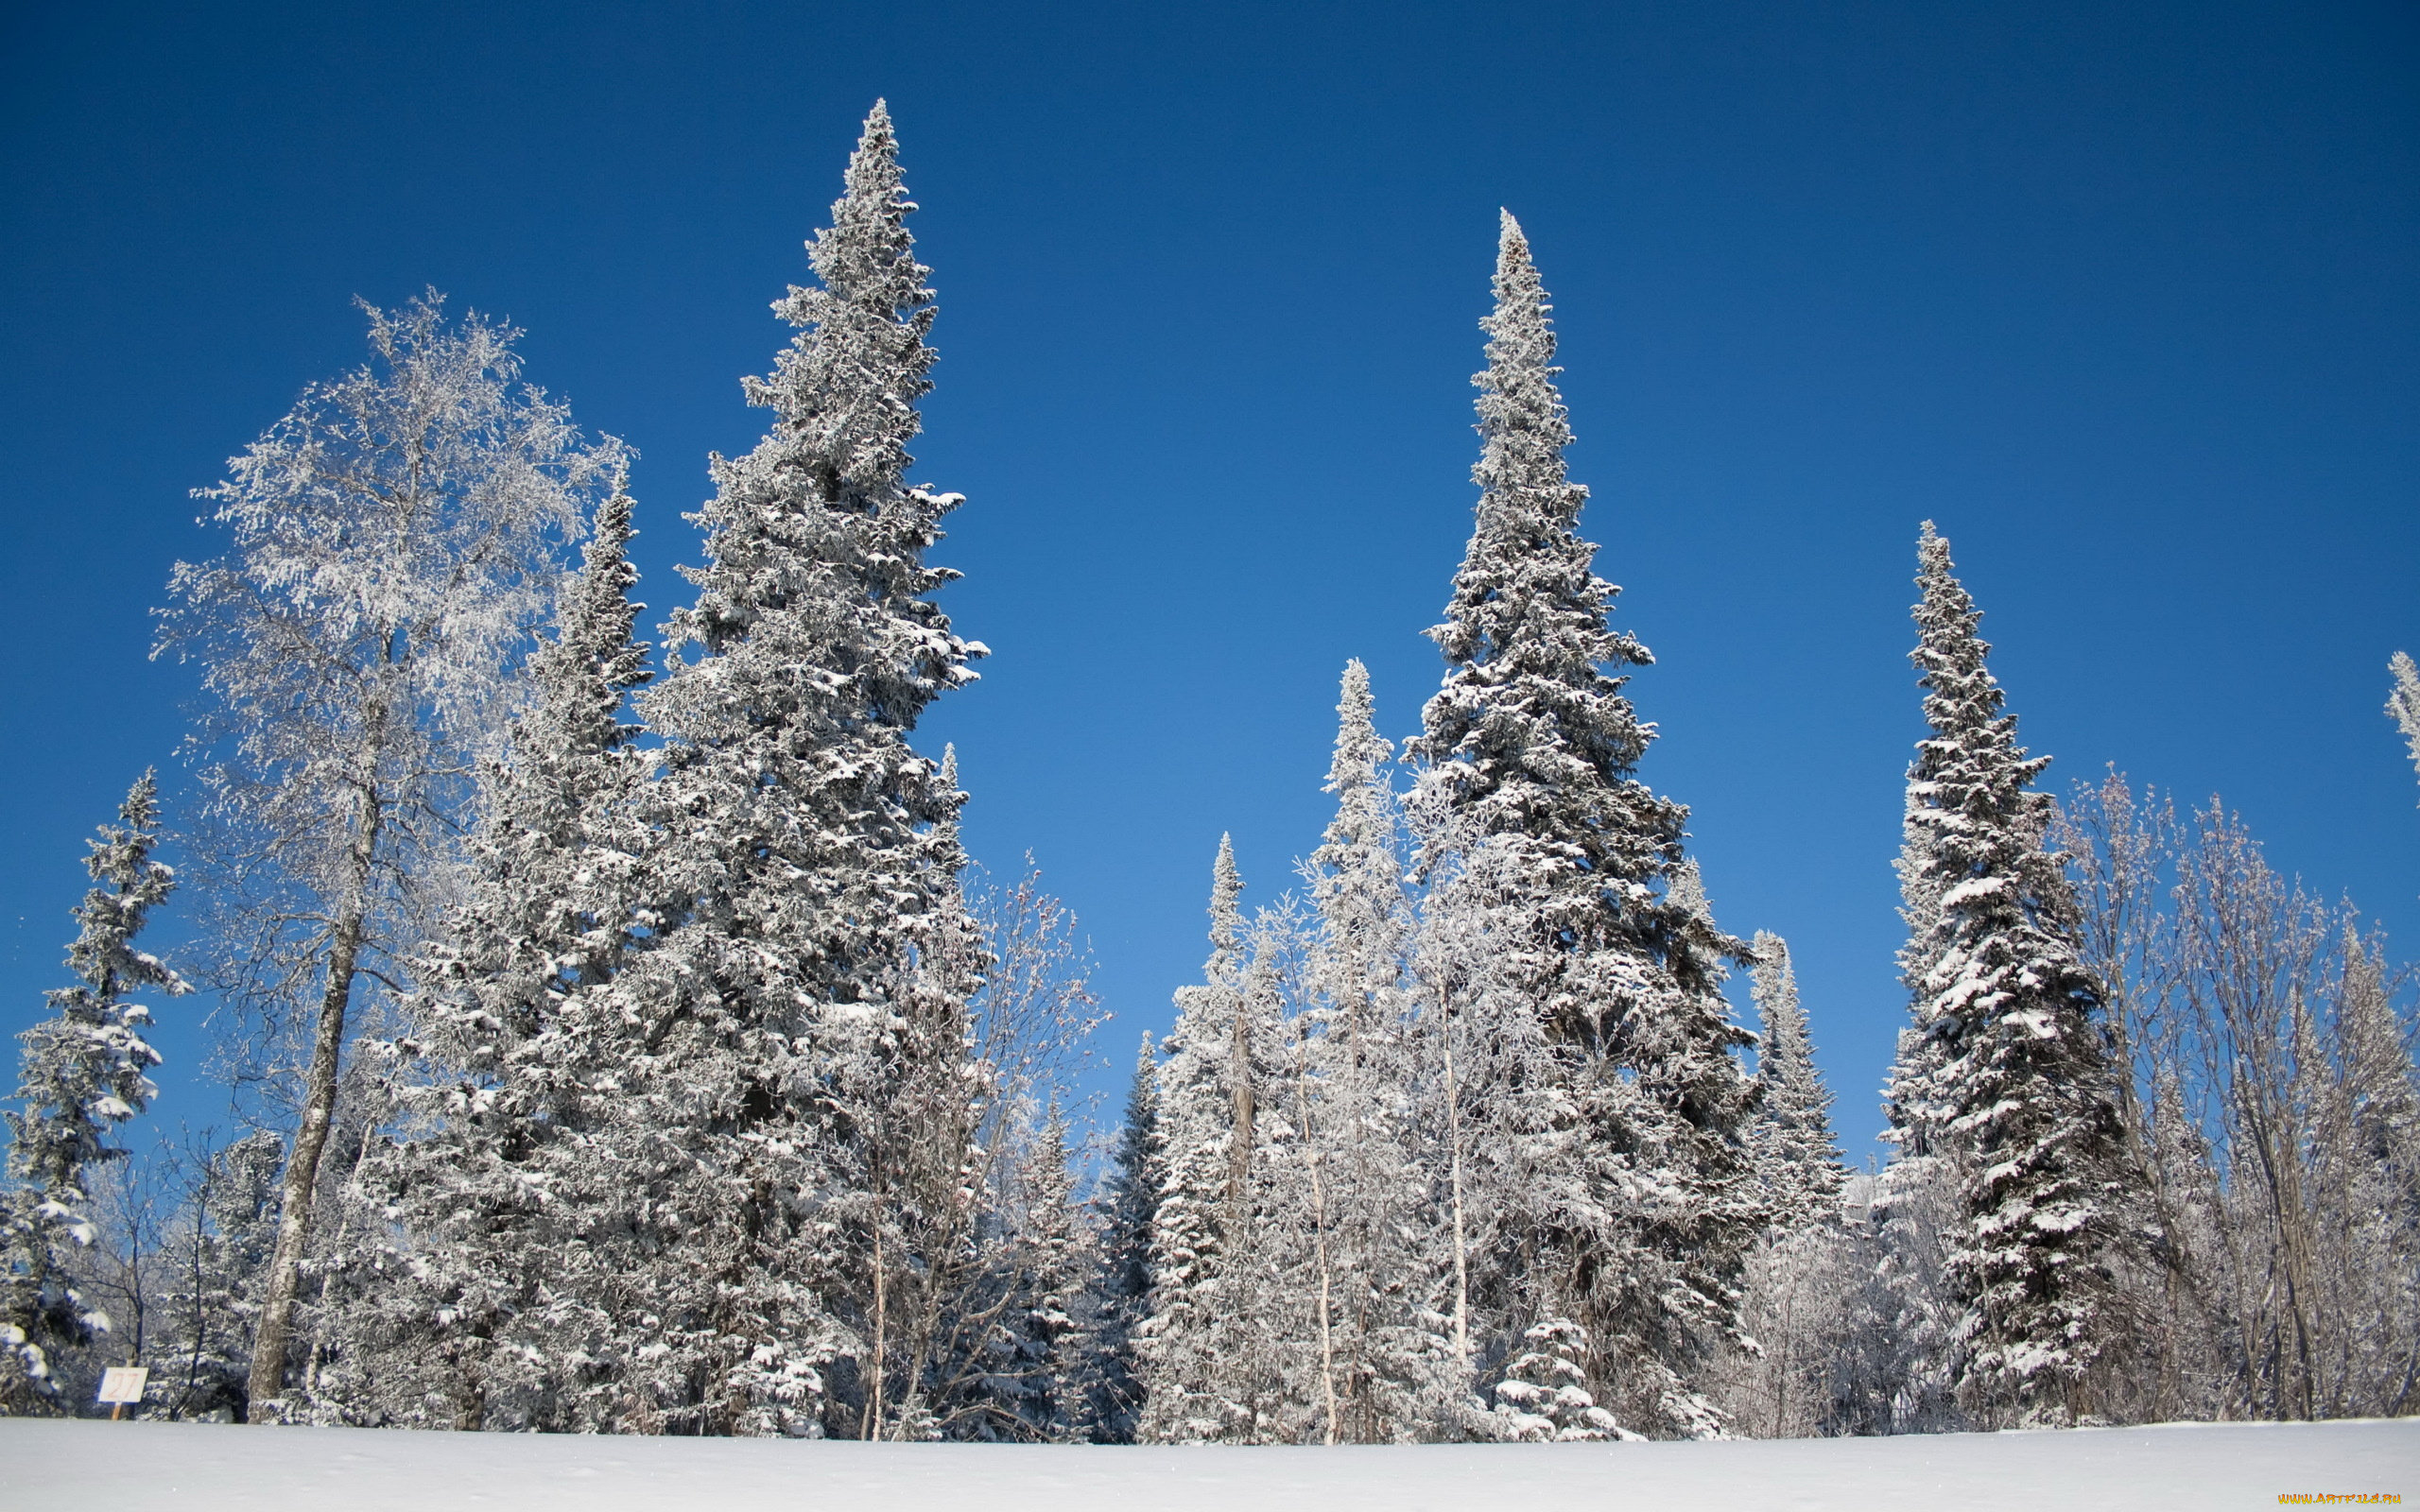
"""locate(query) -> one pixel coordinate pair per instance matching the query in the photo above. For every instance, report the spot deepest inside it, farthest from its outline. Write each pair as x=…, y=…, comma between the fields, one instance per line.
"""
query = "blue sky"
x=2124, y=297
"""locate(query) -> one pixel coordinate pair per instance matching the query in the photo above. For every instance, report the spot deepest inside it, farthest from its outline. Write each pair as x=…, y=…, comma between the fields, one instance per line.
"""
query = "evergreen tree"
x=489, y=1306
x=1031, y=1384
x=1535, y=744
x=84, y=1070
x=555, y=865
x=1804, y=1296
x=1797, y=1158
x=1209, y=1372
x=784, y=999
x=2010, y=1074
x=1542, y=1399
x=1373, y=1251
x=1111, y=1406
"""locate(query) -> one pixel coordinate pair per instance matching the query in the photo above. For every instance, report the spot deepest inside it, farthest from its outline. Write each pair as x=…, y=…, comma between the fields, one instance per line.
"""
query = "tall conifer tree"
x=796, y=880
x=1208, y=1369
x=1375, y=1251
x=1536, y=748
x=84, y=1070
x=2008, y=1071
x=496, y=1304
x=1111, y=1404
x=1790, y=1139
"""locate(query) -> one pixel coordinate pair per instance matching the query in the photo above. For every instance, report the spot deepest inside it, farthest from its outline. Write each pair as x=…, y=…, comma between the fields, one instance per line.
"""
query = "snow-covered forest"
x=628, y=1045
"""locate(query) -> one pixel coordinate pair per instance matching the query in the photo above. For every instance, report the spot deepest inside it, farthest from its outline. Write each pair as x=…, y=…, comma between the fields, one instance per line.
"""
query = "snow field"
x=195, y=1468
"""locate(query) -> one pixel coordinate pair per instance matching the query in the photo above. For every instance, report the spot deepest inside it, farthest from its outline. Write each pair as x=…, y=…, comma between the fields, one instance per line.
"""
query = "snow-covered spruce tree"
x=477, y=1300
x=784, y=999
x=1495, y=1129
x=2010, y=1075
x=1210, y=1367
x=1542, y=1399
x=394, y=542
x=1110, y=1406
x=1533, y=744
x=1372, y=1242
x=1026, y=1378
x=933, y=1270
x=83, y=1071
x=1798, y=1161
x=1803, y=1291
x=2403, y=702
x=2371, y=1150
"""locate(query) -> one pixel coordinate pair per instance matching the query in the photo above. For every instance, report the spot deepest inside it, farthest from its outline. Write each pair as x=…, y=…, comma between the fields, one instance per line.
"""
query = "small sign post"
x=120, y=1385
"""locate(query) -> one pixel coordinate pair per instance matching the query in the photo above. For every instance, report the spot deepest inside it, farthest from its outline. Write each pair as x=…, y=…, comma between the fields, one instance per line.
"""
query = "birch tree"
x=393, y=543
x=2403, y=702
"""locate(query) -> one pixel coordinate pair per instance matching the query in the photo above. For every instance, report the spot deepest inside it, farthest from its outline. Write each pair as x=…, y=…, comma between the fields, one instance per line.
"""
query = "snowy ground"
x=132, y=1466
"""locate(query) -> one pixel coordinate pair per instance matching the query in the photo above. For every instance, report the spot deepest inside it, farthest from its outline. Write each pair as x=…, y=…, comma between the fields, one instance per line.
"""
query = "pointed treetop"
x=864, y=256
x=1361, y=752
x=1783, y=1042
x=1226, y=913
x=1532, y=734
x=1962, y=700
x=1947, y=615
x=593, y=641
x=1689, y=892
x=1521, y=417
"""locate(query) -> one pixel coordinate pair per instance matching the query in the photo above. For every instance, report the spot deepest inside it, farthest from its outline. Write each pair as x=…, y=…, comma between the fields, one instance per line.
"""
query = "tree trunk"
x=311, y=1141
x=1319, y=1230
x=1454, y=1144
x=1239, y=1135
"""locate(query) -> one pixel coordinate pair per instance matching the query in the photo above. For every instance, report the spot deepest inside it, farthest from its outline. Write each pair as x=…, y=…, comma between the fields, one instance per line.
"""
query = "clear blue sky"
x=2125, y=297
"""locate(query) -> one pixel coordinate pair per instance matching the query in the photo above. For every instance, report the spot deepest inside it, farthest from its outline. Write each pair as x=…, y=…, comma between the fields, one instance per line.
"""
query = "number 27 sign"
x=121, y=1384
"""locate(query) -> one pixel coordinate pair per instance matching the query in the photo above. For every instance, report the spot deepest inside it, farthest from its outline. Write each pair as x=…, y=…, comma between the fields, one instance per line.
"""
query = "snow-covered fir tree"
x=1804, y=1290
x=1797, y=1160
x=1533, y=744
x=782, y=1000
x=2375, y=1153
x=2007, y=1073
x=84, y=1068
x=1028, y=1378
x=487, y=1301
x=1212, y=1350
x=1110, y=1406
x=1543, y=1398
x=1374, y=1249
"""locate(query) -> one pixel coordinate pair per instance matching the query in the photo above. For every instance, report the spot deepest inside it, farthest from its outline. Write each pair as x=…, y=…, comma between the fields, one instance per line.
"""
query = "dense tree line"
x=628, y=1045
